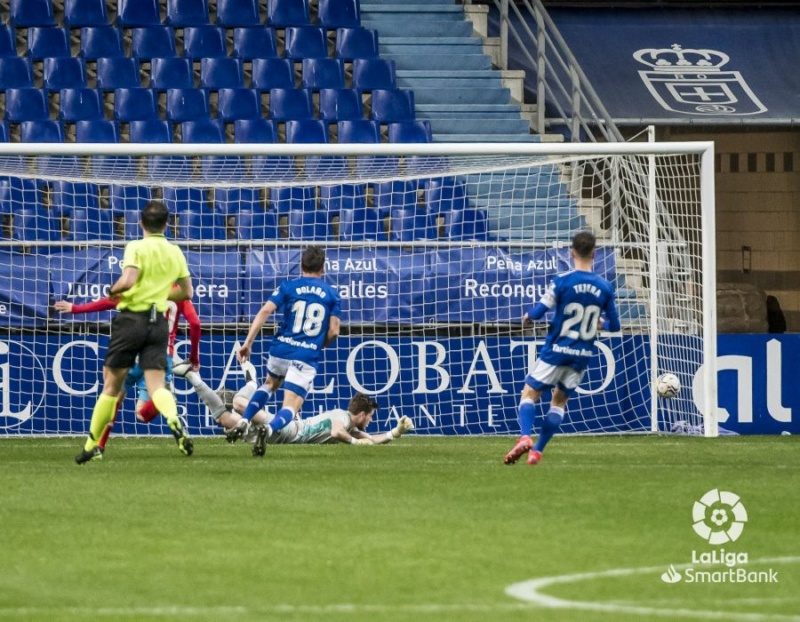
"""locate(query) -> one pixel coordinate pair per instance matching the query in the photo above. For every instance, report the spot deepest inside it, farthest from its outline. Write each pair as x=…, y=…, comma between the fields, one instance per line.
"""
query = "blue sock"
x=257, y=402
x=282, y=419
x=550, y=425
x=526, y=416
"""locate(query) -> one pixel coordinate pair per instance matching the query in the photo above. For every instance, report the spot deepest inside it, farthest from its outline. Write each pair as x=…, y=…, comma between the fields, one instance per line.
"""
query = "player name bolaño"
x=314, y=290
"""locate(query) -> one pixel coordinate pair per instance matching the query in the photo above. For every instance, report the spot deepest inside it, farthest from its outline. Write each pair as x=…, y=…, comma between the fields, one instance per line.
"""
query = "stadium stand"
x=152, y=42
x=64, y=73
x=254, y=42
x=100, y=42
x=80, y=13
x=47, y=42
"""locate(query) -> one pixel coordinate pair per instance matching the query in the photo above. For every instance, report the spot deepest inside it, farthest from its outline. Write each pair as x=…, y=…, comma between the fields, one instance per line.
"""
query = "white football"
x=668, y=385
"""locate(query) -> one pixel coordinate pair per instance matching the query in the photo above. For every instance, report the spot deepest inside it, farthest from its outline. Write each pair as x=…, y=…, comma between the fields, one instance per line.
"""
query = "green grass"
x=425, y=528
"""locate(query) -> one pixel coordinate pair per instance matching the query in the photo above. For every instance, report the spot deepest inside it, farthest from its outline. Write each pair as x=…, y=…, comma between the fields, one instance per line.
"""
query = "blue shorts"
x=135, y=378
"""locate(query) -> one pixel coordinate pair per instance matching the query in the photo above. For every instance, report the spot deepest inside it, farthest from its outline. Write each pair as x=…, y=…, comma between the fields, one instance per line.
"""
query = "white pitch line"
x=530, y=591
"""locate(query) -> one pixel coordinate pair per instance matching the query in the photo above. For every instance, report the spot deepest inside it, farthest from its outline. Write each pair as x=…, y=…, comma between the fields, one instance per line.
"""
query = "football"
x=668, y=385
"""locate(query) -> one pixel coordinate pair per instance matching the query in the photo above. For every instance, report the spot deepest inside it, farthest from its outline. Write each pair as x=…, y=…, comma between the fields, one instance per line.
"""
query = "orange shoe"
x=534, y=457
x=523, y=444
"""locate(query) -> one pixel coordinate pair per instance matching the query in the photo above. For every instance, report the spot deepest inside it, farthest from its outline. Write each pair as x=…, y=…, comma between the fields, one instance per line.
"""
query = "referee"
x=151, y=266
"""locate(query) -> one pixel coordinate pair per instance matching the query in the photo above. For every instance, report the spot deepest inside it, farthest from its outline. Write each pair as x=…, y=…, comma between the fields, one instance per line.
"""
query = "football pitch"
x=426, y=528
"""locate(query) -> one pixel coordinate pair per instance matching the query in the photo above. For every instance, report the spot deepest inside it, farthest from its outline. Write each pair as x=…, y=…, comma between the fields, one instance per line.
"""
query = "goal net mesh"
x=435, y=259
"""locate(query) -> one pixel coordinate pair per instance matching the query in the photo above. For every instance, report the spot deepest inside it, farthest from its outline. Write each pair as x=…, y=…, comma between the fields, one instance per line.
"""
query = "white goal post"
x=436, y=250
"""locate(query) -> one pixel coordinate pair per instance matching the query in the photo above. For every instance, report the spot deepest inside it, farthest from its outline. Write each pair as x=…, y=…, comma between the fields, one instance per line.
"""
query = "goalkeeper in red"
x=582, y=303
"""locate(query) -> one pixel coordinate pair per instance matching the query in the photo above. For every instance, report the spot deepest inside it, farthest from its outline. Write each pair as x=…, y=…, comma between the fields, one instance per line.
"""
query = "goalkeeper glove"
x=360, y=441
x=403, y=425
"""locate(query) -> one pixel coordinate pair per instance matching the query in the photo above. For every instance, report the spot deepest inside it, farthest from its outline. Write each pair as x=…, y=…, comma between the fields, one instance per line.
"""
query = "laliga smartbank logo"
x=718, y=518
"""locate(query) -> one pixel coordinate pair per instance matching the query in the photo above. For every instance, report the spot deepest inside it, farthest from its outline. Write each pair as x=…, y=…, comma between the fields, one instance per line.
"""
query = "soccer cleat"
x=534, y=457
x=237, y=432
x=88, y=456
x=182, y=368
x=523, y=444
x=260, y=445
x=185, y=444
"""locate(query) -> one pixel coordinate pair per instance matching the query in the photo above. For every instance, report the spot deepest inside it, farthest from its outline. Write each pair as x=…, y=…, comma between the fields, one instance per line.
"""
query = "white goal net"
x=436, y=251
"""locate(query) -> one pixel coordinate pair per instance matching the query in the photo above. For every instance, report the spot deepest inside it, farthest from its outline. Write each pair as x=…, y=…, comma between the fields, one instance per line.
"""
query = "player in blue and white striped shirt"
x=582, y=302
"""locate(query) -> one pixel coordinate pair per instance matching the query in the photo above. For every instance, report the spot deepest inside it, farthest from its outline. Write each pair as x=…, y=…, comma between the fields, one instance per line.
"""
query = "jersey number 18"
x=308, y=318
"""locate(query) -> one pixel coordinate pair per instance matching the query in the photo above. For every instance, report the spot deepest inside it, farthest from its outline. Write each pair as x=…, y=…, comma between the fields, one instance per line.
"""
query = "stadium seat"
x=466, y=224
x=221, y=73
x=117, y=73
x=67, y=196
x=257, y=224
x=64, y=73
x=308, y=225
x=153, y=42
x=410, y=132
x=306, y=131
x=79, y=13
x=135, y=104
x=187, y=105
x=285, y=199
x=150, y=131
x=41, y=131
x=357, y=224
x=15, y=73
x=187, y=12
x=96, y=131
x=132, y=230
x=255, y=42
x=233, y=200
x=373, y=73
x=254, y=131
x=101, y=42
x=8, y=43
x=286, y=104
x=340, y=105
x=392, y=106
x=354, y=43
x=196, y=224
x=204, y=42
x=283, y=13
x=445, y=194
x=323, y=73
x=133, y=13
x=184, y=199
x=203, y=131
x=47, y=42
x=306, y=42
x=409, y=224
x=338, y=14
x=232, y=13
x=397, y=193
x=334, y=199
x=123, y=198
x=26, y=105
x=89, y=225
x=237, y=104
x=18, y=193
x=31, y=13
x=35, y=224
x=3, y=132
x=171, y=73
x=80, y=105
x=359, y=131
x=273, y=73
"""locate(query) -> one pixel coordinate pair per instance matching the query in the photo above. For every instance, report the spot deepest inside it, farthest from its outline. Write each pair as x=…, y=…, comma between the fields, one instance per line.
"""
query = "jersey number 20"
x=308, y=318
x=585, y=318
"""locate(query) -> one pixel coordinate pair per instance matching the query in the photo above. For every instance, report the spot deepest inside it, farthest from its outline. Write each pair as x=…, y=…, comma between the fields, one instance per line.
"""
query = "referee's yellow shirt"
x=160, y=264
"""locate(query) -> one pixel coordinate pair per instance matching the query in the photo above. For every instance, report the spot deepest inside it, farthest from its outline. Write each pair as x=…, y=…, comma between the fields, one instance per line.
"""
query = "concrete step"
x=434, y=62
x=416, y=41
x=433, y=49
x=434, y=95
x=419, y=28
x=446, y=11
x=478, y=126
x=486, y=138
x=468, y=109
x=404, y=2
x=483, y=115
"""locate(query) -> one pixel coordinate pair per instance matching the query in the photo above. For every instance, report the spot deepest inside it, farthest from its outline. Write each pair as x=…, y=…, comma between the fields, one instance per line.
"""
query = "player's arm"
x=104, y=304
x=611, y=321
x=258, y=323
x=340, y=433
x=334, y=327
x=404, y=424
x=195, y=330
x=183, y=291
x=546, y=302
x=130, y=275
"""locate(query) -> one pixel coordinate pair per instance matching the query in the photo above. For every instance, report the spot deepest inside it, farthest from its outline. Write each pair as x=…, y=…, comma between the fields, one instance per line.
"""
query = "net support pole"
x=653, y=275
x=709, y=273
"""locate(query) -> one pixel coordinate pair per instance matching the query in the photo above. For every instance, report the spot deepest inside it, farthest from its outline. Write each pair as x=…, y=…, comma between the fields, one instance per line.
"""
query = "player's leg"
x=146, y=409
x=536, y=383
x=102, y=414
x=552, y=422
x=110, y=425
x=299, y=379
x=276, y=370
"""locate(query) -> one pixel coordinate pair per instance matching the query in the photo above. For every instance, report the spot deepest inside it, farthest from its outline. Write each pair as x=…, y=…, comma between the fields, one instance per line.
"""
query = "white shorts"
x=298, y=376
x=545, y=376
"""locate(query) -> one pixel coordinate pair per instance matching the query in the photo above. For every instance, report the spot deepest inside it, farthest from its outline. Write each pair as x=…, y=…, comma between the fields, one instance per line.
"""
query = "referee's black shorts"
x=132, y=334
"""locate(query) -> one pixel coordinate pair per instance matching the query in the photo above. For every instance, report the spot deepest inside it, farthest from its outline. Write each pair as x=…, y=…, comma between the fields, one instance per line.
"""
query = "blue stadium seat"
x=153, y=42
x=306, y=42
x=187, y=105
x=88, y=225
x=81, y=105
x=323, y=73
x=15, y=73
x=254, y=131
x=221, y=73
x=133, y=13
x=338, y=13
x=411, y=224
x=26, y=105
x=257, y=225
x=101, y=42
x=286, y=104
x=354, y=43
x=359, y=131
x=255, y=42
x=200, y=225
x=64, y=73
x=18, y=193
x=373, y=73
x=309, y=225
x=357, y=224
x=273, y=73
x=67, y=196
x=233, y=200
x=283, y=13
x=3, y=131
x=187, y=12
x=202, y=131
x=41, y=131
x=47, y=42
x=395, y=194
x=392, y=106
x=171, y=73
x=150, y=131
x=135, y=104
x=35, y=224
x=79, y=13
x=466, y=224
x=31, y=13
x=131, y=228
x=306, y=131
x=340, y=105
x=96, y=131
x=231, y=13
x=445, y=194
x=410, y=132
x=285, y=199
x=124, y=198
x=118, y=73
x=334, y=199
x=184, y=199
x=8, y=43
x=203, y=42
x=237, y=104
